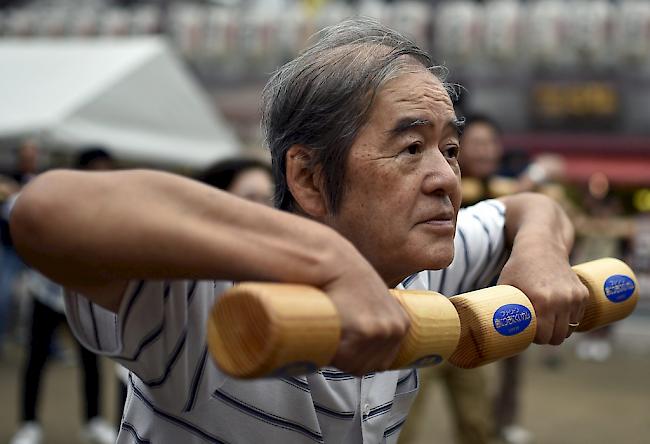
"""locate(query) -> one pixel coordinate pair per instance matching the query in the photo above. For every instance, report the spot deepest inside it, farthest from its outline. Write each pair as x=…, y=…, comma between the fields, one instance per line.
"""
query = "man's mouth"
x=441, y=219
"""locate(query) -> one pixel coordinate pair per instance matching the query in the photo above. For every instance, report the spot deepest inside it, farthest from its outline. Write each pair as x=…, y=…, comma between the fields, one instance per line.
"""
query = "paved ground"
x=577, y=403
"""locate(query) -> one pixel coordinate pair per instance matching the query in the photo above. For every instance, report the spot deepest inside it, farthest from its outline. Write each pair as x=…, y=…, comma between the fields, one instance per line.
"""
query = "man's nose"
x=441, y=177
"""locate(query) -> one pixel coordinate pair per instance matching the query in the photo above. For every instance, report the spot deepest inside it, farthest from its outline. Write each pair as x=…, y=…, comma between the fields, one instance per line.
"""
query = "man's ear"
x=305, y=182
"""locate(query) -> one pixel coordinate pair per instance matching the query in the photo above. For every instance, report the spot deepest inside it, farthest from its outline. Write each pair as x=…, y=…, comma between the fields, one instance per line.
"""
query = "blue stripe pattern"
x=333, y=375
x=151, y=336
x=404, y=379
x=481, y=276
x=136, y=293
x=92, y=316
x=333, y=413
x=266, y=416
x=406, y=282
x=297, y=383
x=196, y=379
x=394, y=428
x=379, y=410
x=441, y=286
x=461, y=285
x=129, y=428
x=500, y=210
x=190, y=294
x=172, y=360
x=173, y=419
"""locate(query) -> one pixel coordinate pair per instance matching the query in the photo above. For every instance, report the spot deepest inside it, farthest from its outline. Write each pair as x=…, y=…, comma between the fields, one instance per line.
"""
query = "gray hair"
x=322, y=98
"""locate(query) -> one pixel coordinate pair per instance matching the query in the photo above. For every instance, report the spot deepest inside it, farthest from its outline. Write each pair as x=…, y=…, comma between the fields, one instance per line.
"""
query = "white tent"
x=131, y=95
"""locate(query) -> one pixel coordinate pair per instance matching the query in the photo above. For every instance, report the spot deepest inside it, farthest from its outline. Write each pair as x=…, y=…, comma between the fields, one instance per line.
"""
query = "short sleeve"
x=480, y=250
x=158, y=333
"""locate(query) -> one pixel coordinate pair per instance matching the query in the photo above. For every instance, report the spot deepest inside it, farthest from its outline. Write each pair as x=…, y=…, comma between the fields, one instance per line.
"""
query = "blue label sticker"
x=619, y=288
x=511, y=319
x=427, y=361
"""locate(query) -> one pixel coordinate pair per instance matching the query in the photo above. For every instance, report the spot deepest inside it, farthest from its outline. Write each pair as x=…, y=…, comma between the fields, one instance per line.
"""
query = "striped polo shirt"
x=177, y=394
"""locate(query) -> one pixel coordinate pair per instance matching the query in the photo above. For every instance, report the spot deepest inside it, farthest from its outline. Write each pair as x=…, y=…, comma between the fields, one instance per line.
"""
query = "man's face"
x=402, y=189
x=482, y=151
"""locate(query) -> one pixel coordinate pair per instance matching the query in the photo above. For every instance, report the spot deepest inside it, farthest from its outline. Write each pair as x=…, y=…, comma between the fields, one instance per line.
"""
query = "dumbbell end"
x=613, y=290
x=496, y=322
x=258, y=330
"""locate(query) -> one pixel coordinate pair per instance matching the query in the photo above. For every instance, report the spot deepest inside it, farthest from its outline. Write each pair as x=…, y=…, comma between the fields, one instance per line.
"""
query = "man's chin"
x=441, y=260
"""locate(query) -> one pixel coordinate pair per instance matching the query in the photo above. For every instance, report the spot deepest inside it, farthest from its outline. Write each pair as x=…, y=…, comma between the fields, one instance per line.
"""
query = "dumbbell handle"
x=262, y=329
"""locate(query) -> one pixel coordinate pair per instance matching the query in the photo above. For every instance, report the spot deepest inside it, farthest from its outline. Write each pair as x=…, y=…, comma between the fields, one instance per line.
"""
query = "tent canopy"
x=131, y=95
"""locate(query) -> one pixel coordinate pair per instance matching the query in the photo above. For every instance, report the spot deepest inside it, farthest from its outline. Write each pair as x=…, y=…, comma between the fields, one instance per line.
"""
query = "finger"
x=544, y=330
x=578, y=307
x=384, y=351
x=388, y=353
x=359, y=357
x=561, y=328
x=351, y=357
x=583, y=297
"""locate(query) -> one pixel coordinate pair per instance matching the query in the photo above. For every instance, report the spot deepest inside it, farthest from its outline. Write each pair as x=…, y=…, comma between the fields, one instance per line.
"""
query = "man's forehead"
x=417, y=88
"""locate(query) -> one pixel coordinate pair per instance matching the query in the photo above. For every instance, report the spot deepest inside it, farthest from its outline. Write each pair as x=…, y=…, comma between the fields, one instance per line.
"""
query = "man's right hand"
x=373, y=322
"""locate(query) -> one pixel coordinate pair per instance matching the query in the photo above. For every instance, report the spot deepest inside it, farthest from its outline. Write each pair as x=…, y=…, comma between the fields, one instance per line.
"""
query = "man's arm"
x=541, y=237
x=93, y=232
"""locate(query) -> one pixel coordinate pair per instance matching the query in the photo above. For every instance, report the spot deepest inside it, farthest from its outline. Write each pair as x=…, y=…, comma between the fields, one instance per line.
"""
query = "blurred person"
x=47, y=316
x=480, y=160
x=364, y=142
x=247, y=178
x=26, y=162
x=600, y=233
x=9, y=266
x=12, y=267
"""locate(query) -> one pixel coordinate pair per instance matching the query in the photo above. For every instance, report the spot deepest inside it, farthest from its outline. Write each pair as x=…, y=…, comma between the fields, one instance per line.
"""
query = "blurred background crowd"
x=557, y=99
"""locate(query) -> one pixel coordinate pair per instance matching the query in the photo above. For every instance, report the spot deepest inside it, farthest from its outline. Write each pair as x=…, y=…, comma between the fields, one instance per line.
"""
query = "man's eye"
x=451, y=151
x=412, y=149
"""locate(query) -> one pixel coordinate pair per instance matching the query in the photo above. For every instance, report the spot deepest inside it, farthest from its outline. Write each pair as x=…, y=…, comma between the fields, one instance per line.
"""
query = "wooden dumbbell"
x=500, y=321
x=261, y=329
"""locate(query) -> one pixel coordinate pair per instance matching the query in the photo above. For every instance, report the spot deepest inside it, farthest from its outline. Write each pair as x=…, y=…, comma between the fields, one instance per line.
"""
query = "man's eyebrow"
x=406, y=124
x=458, y=124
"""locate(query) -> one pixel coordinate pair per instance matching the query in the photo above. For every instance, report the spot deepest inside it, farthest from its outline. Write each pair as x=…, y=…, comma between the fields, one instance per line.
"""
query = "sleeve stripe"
x=266, y=417
x=190, y=293
x=131, y=429
x=494, y=264
x=136, y=293
x=488, y=257
x=441, y=286
x=409, y=279
x=149, y=337
x=173, y=419
x=499, y=210
x=487, y=231
x=461, y=284
x=198, y=373
x=172, y=360
x=91, y=310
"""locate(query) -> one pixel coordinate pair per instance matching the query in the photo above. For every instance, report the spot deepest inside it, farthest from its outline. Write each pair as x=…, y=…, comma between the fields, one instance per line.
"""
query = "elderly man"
x=364, y=143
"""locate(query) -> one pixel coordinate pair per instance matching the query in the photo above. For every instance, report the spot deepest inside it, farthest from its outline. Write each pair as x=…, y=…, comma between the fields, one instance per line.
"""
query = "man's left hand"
x=542, y=272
